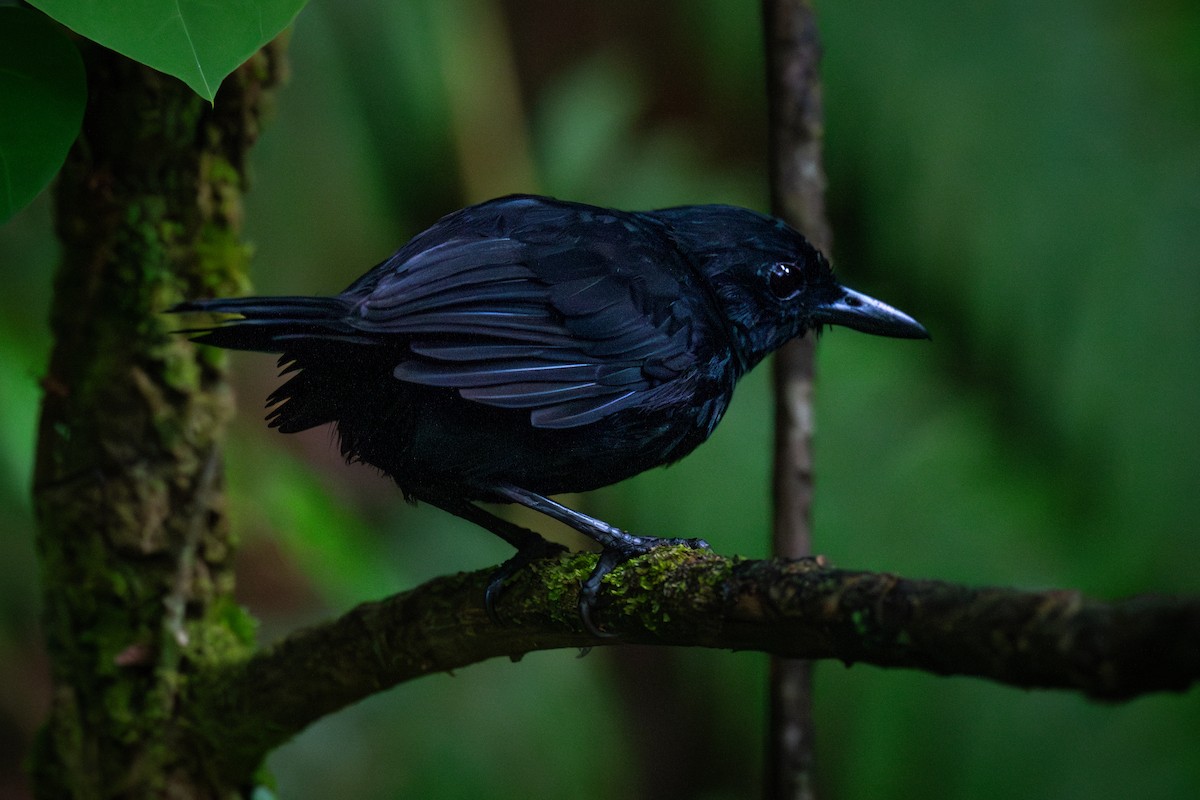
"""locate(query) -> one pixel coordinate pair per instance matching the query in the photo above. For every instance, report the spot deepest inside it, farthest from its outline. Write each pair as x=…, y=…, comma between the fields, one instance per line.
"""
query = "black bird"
x=526, y=347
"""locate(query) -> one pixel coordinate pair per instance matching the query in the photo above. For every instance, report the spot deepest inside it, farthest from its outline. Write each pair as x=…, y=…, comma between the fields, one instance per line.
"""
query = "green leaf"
x=197, y=41
x=43, y=92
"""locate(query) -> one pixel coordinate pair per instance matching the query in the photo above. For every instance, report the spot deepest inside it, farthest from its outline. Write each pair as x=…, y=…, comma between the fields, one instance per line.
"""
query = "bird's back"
x=553, y=345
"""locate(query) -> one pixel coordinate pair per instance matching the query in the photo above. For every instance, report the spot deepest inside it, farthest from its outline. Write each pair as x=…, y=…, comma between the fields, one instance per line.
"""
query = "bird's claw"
x=533, y=551
x=612, y=557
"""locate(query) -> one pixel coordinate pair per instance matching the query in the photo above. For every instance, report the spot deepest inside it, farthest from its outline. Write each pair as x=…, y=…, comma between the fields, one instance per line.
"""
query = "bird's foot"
x=614, y=554
x=533, y=549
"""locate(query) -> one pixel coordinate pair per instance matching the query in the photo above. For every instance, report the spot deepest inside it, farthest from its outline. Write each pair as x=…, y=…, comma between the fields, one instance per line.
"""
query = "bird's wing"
x=549, y=325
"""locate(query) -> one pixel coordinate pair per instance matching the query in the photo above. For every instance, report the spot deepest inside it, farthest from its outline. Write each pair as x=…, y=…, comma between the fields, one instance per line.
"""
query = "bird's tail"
x=273, y=324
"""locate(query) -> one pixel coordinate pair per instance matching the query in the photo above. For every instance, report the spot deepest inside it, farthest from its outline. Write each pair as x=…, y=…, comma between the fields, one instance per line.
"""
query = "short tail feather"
x=273, y=324
x=302, y=329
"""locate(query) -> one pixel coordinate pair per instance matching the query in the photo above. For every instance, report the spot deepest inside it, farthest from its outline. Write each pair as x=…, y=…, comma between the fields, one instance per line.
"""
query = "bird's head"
x=772, y=284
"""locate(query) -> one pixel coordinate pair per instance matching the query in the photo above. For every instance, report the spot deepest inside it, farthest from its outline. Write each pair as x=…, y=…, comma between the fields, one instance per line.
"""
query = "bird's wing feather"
x=564, y=330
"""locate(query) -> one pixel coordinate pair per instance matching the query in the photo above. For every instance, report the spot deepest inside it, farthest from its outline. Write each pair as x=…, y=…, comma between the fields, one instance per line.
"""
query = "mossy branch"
x=804, y=609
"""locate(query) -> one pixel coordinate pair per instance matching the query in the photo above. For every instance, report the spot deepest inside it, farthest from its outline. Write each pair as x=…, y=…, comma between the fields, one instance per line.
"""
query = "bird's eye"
x=785, y=280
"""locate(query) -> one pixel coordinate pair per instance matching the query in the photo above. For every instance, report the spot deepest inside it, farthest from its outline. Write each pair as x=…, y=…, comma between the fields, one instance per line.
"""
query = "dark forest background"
x=1023, y=177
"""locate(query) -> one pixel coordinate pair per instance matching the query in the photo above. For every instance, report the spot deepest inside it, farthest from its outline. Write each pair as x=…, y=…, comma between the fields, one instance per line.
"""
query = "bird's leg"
x=530, y=545
x=617, y=546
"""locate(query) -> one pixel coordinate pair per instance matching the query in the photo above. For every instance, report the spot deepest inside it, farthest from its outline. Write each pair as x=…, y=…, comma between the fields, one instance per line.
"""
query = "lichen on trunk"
x=133, y=537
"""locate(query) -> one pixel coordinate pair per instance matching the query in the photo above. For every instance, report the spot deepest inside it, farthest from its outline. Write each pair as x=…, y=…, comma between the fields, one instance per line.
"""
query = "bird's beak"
x=862, y=313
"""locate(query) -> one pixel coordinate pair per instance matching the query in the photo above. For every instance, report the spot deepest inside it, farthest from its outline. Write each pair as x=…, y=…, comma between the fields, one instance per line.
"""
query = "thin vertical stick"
x=797, y=195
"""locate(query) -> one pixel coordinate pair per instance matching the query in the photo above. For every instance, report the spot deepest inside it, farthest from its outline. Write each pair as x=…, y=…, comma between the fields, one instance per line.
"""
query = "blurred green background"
x=1024, y=177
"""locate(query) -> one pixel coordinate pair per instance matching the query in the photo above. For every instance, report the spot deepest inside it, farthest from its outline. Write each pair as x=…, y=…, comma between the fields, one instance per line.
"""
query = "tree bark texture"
x=676, y=596
x=133, y=538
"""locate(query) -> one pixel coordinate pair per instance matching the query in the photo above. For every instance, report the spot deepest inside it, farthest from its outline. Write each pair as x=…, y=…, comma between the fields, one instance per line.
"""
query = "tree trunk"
x=796, y=128
x=133, y=537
